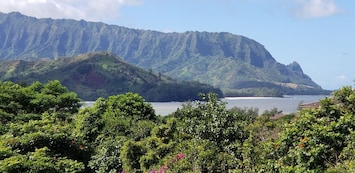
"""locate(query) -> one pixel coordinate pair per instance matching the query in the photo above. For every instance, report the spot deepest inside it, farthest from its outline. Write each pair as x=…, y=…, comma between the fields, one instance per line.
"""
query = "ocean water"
x=287, y=104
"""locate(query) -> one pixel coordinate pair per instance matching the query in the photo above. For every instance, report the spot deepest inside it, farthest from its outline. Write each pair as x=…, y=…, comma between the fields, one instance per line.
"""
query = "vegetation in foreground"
x=44, y=129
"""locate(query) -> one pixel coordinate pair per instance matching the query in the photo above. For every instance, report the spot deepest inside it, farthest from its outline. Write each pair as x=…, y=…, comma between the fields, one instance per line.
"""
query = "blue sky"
x=318, y=34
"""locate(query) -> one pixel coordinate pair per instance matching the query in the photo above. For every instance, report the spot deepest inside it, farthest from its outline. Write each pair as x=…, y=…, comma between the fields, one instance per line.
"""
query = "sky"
x=318, y=34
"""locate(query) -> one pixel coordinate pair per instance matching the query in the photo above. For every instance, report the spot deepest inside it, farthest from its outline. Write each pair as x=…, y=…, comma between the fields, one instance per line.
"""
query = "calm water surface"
x=288, y=103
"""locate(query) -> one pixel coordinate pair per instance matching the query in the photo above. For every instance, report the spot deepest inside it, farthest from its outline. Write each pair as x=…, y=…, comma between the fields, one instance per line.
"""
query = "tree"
x=221, y=131
x=212, y=121
x=130, y=105
x=123, y=111
x=41, y=160
x=55, y=97
x=13, y=99
x=37, y=136
x=37, y=98
x=107, y=156
x=89, y=122
x=131, y=153
x=114, y=128
x=316, y=140
x=42, y=145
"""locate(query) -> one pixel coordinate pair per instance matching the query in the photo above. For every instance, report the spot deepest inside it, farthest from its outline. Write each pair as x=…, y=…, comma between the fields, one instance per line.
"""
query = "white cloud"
x=92, y=10
x=316, y=8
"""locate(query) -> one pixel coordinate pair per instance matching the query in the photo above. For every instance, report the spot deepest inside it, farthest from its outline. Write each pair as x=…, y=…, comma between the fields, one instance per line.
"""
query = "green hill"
x=103, y=74
x=237, y=64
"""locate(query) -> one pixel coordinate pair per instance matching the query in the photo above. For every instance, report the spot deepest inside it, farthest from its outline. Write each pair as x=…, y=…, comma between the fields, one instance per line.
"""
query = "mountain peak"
x=294, y=66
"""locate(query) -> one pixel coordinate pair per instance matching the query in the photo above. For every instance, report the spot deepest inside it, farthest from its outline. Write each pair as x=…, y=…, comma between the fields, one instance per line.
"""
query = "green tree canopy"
x=319, y=138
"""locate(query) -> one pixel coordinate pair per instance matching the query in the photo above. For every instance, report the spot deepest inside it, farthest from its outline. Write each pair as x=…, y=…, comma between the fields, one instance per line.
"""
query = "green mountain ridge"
x=103, y=74
x=223, y=60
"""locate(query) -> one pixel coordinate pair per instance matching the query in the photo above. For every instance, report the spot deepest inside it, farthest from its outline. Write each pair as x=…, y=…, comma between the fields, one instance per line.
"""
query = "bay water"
x=287, y=104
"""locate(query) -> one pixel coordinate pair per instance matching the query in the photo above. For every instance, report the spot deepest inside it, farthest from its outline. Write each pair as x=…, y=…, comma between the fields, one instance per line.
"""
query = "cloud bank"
x=92, y=10
x=308, y=9
x=109, y=10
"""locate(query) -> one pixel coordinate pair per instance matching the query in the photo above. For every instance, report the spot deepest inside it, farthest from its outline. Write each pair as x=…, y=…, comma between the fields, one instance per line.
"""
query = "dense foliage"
x=221, y=59
x=44, y=129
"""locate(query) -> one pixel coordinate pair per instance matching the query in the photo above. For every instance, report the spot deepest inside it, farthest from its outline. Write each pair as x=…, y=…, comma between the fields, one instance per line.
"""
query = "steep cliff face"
x=221, y=59
x=31, y=38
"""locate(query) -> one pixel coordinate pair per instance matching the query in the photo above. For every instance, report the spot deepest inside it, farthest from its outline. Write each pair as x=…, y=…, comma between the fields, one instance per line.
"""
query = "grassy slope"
x=96, y=75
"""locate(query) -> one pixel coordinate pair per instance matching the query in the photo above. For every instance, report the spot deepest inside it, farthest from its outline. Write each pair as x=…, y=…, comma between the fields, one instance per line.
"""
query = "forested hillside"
x=234, y=63
x=44, y=129
x=103, y=74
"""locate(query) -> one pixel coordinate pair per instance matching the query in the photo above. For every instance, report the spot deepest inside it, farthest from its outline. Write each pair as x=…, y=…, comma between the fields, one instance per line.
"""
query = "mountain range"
x=234, y=63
